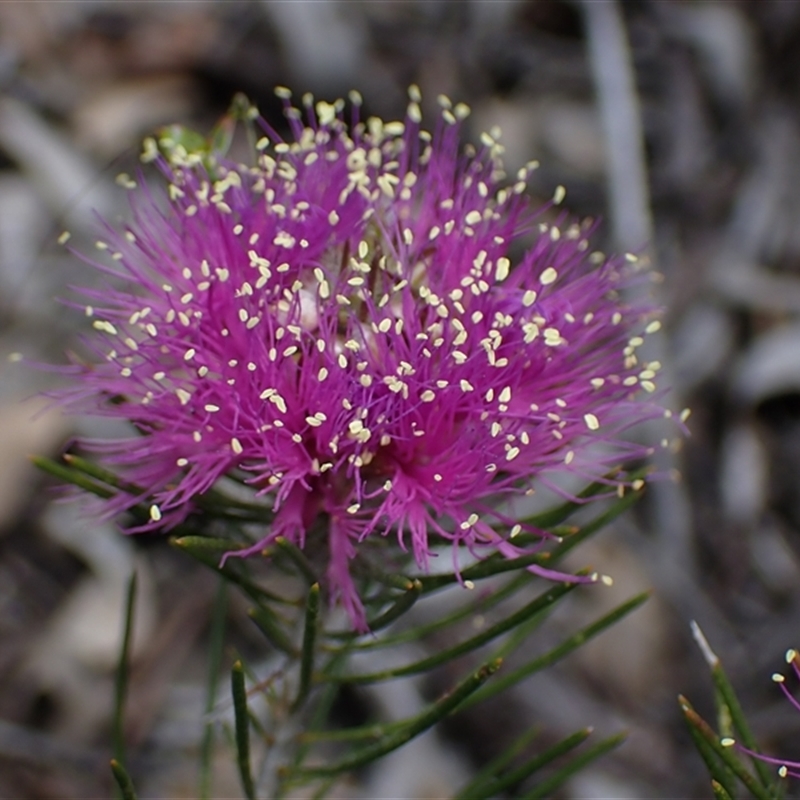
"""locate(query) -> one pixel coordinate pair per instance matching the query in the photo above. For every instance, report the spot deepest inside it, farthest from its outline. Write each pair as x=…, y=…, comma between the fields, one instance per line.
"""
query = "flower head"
x=353, y=321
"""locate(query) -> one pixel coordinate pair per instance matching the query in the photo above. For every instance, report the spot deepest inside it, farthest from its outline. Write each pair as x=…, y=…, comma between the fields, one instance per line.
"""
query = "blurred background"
x=676, y=123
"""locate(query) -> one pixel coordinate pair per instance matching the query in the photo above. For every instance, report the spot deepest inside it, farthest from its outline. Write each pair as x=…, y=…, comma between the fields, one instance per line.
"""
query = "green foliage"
x=242, y=720
x=732, y=769
x=296, y=738
x=123, y=781
x=216, y=647
x=123, y=670
x=124, y=785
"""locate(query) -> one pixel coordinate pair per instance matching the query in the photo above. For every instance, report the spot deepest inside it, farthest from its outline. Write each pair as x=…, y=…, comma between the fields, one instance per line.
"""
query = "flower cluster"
x=353, y=321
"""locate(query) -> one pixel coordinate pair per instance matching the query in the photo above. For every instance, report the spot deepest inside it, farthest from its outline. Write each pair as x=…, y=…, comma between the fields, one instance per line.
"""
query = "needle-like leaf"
x=217, y=640
x=242, y=721
x=309, y=640
x=726, y=754
x=548, y=786
x=437, y=711
x=543, y=601
x=123, y=780
x=560, y=651
x=123, y=672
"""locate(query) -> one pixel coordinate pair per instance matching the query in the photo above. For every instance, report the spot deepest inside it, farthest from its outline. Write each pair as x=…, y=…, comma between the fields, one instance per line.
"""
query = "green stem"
x=543, y=601
x=268, y=624
x=719, y=773
x=438, y=711
x=209, y=551
x=123, y=673
x=123, y=780
x=308, y=651
x=295, y=554
x=511, y=779
x=371, y=731
x=547, y=787
x=720, y=792
x=242, y=721
x=72, y=476
x=476, y=606
x=549, y=519
x=216, y=645
x=728, y=695
x=725, y=754
x=320, y=712
x=558, y=652
x=104, y=475
x=403, y=604
x=497, y=564
x=493, y=768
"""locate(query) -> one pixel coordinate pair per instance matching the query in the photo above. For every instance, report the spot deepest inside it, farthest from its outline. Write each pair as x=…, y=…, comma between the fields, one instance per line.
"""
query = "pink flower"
x=371, y=324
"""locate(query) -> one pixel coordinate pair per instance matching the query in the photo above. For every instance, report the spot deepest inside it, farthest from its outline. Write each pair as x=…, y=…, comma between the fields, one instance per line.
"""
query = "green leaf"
x=242, y=721
x=547, y=787
x=719, y=772
x=403, y=604
x=720, y=793
x=519, y=636
x=558, y=652
x=320, y=712
x=372, y=731
x=497, y=563
x=326, y=786
x=401, y=582
x=543, y=601
x=308, y=651
x=209, y=551
x=437, y=711
x=104, y=475
x=269, y=624
x=726, y=754
x=731, y=719
x=295, y=554
x=105, y=484
x=73, y=476
x=490, y=771
x=123, y=673
x=601, y=521
x=501, y=783
x=743, y=732
x=124, y=782
x=216, y=645
x=489, y=567
x=479, y=604
x=213, y=501
x=549, y=519
x=206, y=549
